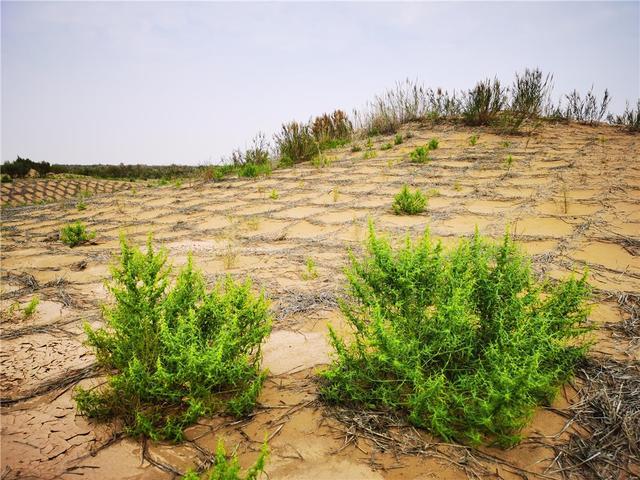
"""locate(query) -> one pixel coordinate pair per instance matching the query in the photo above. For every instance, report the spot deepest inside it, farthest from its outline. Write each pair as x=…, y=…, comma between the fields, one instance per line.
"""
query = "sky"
x=186, y=83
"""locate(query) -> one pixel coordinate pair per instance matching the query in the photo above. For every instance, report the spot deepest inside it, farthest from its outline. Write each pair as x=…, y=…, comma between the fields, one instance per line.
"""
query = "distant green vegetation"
x=22, y=166
x=510, y=109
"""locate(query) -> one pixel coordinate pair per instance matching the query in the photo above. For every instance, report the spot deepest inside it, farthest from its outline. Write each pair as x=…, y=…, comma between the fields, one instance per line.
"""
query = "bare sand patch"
x=305, y=229
x=609, y=255
x=542, y=226
x=299, y=212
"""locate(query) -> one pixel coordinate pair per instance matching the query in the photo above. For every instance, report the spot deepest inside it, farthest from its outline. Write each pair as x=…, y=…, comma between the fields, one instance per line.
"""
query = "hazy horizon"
x=186, y=83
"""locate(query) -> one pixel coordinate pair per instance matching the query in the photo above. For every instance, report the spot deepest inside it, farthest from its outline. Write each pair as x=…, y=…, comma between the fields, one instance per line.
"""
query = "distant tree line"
x=21, y=167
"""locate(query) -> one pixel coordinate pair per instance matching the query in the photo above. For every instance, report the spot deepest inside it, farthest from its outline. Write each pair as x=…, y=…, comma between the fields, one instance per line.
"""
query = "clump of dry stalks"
x=608, y=415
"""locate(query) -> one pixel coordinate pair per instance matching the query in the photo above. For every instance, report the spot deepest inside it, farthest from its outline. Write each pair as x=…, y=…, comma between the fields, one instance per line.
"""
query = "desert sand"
x=571, y=197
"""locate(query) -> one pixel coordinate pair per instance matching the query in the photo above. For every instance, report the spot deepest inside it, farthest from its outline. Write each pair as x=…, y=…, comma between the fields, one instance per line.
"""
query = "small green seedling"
x=433, y=144
x=274, y=194
x=32, y=306
x=310, y=273
x=398, y=139
x=252, y=223
x=508, y=162
x=386, y=146
x=229, y=468
x=473, y=139
x=229, y=257
x=321, y=160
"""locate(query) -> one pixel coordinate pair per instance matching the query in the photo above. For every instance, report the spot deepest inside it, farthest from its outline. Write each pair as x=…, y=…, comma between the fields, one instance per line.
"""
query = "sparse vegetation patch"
x=228, y=468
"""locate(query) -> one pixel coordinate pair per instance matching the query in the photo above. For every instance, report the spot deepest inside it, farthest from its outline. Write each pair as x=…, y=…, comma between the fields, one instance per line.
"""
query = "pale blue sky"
x=178, y=82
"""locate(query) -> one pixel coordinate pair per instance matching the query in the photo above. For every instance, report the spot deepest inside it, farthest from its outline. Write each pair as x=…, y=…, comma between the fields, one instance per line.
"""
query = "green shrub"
x=295, y=143
x=356, y=148
x=5, y=178
x=174, y=353
x=409, y=203
x=225, y=469
x=420, y=155
x=463, y=342
x=397, y=140
x=473, y=140
x=215, y=173
x=252, y=170
x=433, y=144
x=386, y=146
x=483, y=103
x=76, y=233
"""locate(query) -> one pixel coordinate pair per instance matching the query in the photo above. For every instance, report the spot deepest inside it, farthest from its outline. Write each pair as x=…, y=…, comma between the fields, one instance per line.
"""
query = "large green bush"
x=177, y=352
x=463, y=342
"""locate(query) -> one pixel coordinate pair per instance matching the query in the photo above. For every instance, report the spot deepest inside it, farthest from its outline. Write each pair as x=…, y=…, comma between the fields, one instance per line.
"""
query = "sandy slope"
x=572, y=196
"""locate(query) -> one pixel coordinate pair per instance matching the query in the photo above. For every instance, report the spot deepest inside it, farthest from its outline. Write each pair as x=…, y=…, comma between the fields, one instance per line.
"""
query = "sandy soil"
x=572, y=197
